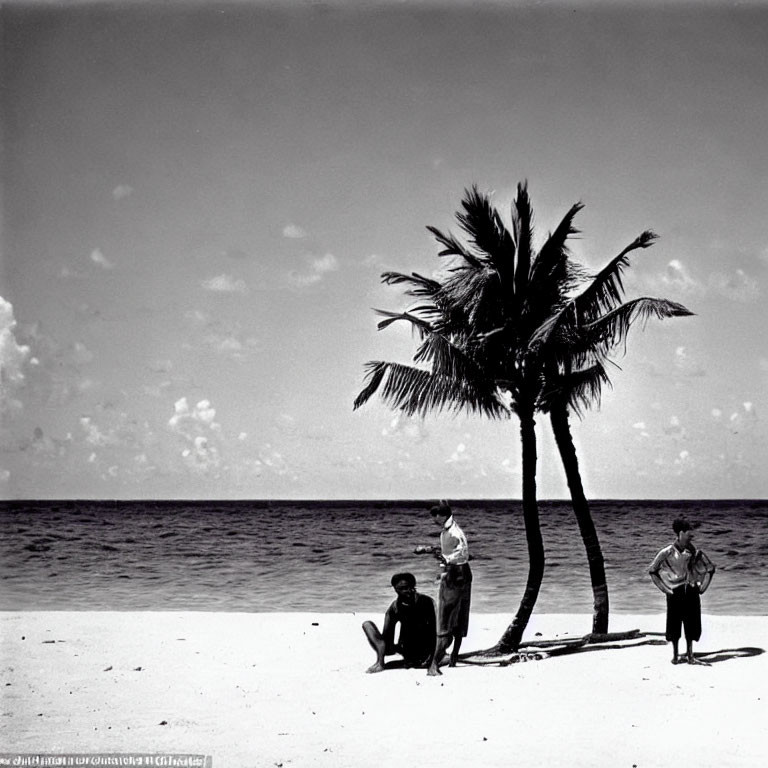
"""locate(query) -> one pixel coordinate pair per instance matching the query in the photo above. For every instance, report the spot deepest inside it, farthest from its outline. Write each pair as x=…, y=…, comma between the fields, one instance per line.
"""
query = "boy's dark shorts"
x=684, y=612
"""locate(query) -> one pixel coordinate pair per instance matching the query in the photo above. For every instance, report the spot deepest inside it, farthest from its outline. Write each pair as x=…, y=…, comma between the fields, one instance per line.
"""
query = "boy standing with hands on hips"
x=683, y=573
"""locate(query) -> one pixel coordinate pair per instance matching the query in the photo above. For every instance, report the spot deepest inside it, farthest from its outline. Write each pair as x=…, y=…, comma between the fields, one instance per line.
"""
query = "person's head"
x=405, y=586
x=684, y=530
x=441, y=512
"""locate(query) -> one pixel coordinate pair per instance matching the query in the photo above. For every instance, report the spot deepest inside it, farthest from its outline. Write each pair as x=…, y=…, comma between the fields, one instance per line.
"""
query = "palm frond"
x=420, y=324
x=611, y=329
x=606, y=289
x=458, y=361
x=580, y=389
x=585, y=388
x=375, y=370
x=562, y=340
x=452, y=247
x=553, y=274
x=602, y=295
x=522, y=223
x=417, y=391
x=486, y=229
x=551, y=261
x=472, y=297
x=421, y=286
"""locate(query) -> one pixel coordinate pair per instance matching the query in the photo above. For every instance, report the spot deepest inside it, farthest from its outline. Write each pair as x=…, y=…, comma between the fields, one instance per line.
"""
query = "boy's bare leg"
x=692, y=659
x=455, y=650
x=376, y=641
x=443, y=641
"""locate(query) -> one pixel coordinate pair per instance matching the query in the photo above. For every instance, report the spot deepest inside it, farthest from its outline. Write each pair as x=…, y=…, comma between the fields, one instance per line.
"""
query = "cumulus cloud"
x=13, y=357
x=737, y=286
x=97, y=257
x=674, y=427
x=303, y=280
x=509, y=467
x=226, y=344
x=327, y=263
x=687, y=363
x=271, y=458
x=196, y=316
x=198, y=427
x=677, y=278
x=459, y=454
x=161, y=365
x=318, y=267
x=81, y=355
x=285, y=423
x=201, y=456
x=93, y=435
x=230, y=344
x=202, y=414
x=682, y=461
x=225, y=284
x=743, y=419
x=220, y=337
x=121, y=191
x=55, y=373
x=410, y=427
x=293, y=232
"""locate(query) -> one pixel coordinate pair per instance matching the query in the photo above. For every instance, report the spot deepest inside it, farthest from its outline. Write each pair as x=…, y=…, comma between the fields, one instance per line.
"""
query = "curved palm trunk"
x=564, y=439
x=513, y=635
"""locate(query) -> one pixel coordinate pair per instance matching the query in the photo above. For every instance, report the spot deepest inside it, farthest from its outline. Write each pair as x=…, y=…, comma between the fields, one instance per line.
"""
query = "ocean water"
x=339, y=556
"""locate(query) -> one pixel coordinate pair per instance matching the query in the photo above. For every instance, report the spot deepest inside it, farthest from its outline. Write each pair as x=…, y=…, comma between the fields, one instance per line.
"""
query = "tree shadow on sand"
x=537, y=650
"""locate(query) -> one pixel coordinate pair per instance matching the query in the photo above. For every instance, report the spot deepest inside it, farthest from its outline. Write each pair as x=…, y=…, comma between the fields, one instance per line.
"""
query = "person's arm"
x=656, y=579
x=457, y=549
x=388, y=633
x=710, y=572
x=653, y=571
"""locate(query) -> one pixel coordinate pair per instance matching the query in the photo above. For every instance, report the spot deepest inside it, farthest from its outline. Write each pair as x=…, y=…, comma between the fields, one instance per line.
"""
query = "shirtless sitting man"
x=416, y=615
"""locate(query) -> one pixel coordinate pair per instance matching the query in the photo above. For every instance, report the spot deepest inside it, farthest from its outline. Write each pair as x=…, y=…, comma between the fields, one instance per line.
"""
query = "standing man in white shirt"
x=683, y=573
x=455, y=590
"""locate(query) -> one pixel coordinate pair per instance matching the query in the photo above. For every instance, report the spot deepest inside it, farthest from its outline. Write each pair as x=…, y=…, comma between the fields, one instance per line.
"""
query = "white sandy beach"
x=290, y=690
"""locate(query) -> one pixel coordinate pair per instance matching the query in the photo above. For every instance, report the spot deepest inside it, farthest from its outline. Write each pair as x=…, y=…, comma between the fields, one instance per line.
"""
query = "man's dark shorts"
x=684, y=611
x=413, y=659
x=453, y=600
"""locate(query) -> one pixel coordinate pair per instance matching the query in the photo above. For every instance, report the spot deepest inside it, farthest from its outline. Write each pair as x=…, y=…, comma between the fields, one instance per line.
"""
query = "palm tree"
x=577, y=342
x=476, y=327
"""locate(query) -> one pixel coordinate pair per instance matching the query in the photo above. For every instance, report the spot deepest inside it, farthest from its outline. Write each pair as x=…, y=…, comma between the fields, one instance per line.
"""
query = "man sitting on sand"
x=416, y=615
x=683, y=573
x=455, y=591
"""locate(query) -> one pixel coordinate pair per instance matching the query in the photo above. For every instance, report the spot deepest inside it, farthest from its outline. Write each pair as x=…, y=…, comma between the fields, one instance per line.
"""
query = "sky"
x=199, y=199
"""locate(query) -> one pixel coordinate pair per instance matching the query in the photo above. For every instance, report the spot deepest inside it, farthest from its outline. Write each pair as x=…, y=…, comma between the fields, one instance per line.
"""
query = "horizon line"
x=410, y=501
